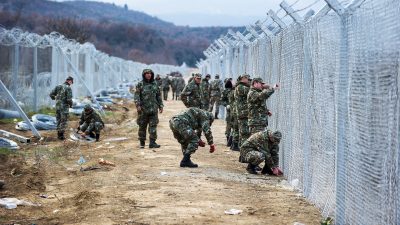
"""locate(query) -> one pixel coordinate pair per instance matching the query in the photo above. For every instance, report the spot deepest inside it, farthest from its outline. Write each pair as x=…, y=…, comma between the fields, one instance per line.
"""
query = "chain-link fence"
x=338, y=106
x=31, y=65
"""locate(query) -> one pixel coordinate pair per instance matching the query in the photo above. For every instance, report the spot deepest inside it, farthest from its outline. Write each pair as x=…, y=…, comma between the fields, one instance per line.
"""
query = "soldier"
x=191, y=94
x=158, y=81
x=262, y=146
x=234, y=121
x=256, y=103
x=205, y=91
x=173, y=86
x=225, y=102
x=166, y=82
x=184, y=126
x=179, y=87
x=90, y=122
x=63, y=95
x=241, y=91
x=148, y=103
x=216, y=90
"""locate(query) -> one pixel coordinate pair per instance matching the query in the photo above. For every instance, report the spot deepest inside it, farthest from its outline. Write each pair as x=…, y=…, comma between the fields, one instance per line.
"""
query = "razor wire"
x=339, y=103
x=31, y=65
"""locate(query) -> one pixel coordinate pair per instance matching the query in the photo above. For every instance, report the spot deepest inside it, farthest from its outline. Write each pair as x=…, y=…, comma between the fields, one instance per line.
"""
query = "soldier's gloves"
x=212, y=148
x=276, y=87
x=269, y=113
x=202, y=143
x=277, y=171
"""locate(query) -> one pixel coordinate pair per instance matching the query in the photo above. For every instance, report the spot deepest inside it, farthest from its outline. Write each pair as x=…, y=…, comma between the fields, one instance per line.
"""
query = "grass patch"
x=45, y=110
x=6, y=151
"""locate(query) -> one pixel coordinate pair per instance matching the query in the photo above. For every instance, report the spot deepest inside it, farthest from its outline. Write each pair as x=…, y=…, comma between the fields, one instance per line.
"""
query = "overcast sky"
x=208, y=12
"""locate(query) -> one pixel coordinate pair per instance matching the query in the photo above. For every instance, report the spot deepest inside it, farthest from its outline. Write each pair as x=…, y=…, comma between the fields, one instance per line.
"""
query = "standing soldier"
x=158, y=81
x=225, y=102
x=184, y=126
x=63, y=95
x=90, y=122
x=191, y=94
x=262, y=146
x=148, y=103
x=241, y=91
x=205, y=91
x=216, y=90
x=166, y=82
x=257, y=104
x=180, y=85
x=173, y=86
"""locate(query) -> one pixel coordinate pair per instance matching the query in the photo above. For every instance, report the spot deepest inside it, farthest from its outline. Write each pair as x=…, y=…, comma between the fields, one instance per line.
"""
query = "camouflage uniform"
x=91, y=121
x=179, y=87
x=205, y=91
x=233, y=120
x=174, y=86
x=165, y=83
x=259, y=148
x=191, y=94
x=158, y=81
x=258, y=112
x=241, y=92
x=63, y=95
x=216, y=90
x=148, y=98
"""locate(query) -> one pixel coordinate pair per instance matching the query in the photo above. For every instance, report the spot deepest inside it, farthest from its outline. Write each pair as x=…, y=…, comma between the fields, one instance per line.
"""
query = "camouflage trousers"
x=235, y=129
x=205, y=104
x=178, y=94
x=173, y=93
x=254, y=158
x=243, y=130
x=165, y=94
x=214, y=100
x=228, y=121
x=62, y=120
x=145, y=120
x=256, y=128
x=186, y=136
x=95, y=127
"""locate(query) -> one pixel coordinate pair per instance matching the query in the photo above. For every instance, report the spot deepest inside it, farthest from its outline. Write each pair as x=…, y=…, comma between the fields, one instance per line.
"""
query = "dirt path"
x=148, y=186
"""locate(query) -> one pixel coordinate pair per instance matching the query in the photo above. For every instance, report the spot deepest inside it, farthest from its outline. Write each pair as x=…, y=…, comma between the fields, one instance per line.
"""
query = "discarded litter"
x=116, y=139
x=297, y=223
x=233, y=211
x=295, y=183
x=81, y=160
x=163, y=173
x=105, y=162
x=77, y=137
x=43, y=196
x=12, y=203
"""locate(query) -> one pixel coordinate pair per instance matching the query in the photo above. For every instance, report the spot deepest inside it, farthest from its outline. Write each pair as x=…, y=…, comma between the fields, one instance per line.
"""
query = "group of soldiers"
x=247, y=118
x=177, y=83
x=90, y=122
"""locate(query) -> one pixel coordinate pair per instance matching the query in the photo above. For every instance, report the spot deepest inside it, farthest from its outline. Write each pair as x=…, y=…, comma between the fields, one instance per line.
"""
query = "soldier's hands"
x=276, y=86
x=269, y=113
x=202, y=143
x=161, y=110
x=212, y=148
x=277, y=171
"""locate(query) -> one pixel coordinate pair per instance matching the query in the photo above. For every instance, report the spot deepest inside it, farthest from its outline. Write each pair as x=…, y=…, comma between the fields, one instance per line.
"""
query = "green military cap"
x=257, y=79
x=243, y=76
x=70, y=78
x=277, y=135
x=197, y=75
x=208, y=75
x=216, y=76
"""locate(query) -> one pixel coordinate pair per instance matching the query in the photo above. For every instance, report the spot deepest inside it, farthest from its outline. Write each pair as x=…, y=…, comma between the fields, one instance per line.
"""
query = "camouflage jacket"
x=158, y=82
x=231, y=101
x=225, y=97
x=148, y=97
x=191, y=95
x=180, y=83
x=174, y=83
x=241, y=92
x=91, y=117
x=165, y=83
x=216, y=88
x=205, y=91
x=260, y=142
x=63, y=95
x=197, y=119
x=257, y=105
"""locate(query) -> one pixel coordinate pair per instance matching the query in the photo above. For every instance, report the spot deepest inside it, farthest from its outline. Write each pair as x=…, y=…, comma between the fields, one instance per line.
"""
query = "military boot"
x=92, y=135
x=229, y=140
x=60, y=135
x=251, y=169
x=97, y=137
x=186, y=162
x=153, y=144
x=235, y=146
x=266, y=170
x=216, y=115
x=142, y=143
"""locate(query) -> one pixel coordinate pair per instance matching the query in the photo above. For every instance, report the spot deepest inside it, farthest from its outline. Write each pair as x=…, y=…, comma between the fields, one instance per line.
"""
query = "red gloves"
x=202, y=143
x=277, y=171
x=212, y=148
x=269, y=113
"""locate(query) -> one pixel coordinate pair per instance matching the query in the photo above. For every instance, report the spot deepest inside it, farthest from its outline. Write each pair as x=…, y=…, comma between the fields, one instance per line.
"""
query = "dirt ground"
x=146, y=186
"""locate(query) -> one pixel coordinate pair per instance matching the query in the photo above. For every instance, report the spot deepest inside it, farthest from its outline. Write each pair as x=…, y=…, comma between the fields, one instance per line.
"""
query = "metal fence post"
x=15, y=71
x=35, y=82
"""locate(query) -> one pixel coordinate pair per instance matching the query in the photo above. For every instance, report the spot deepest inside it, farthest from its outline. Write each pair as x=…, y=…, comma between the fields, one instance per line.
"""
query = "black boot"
x=60, y=135
x=235, y=146
x=216, y=115
x=142, y=143
x=186, y=162
x=251, y=169
x=153, y=144
x=92, y=135
x=229, y=140
x=97, y=137
x=267, y=170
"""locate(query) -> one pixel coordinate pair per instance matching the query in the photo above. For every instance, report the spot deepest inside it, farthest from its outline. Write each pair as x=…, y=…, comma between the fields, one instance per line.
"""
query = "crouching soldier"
x=184, y=126
x=259, y=147
x=90, y=123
